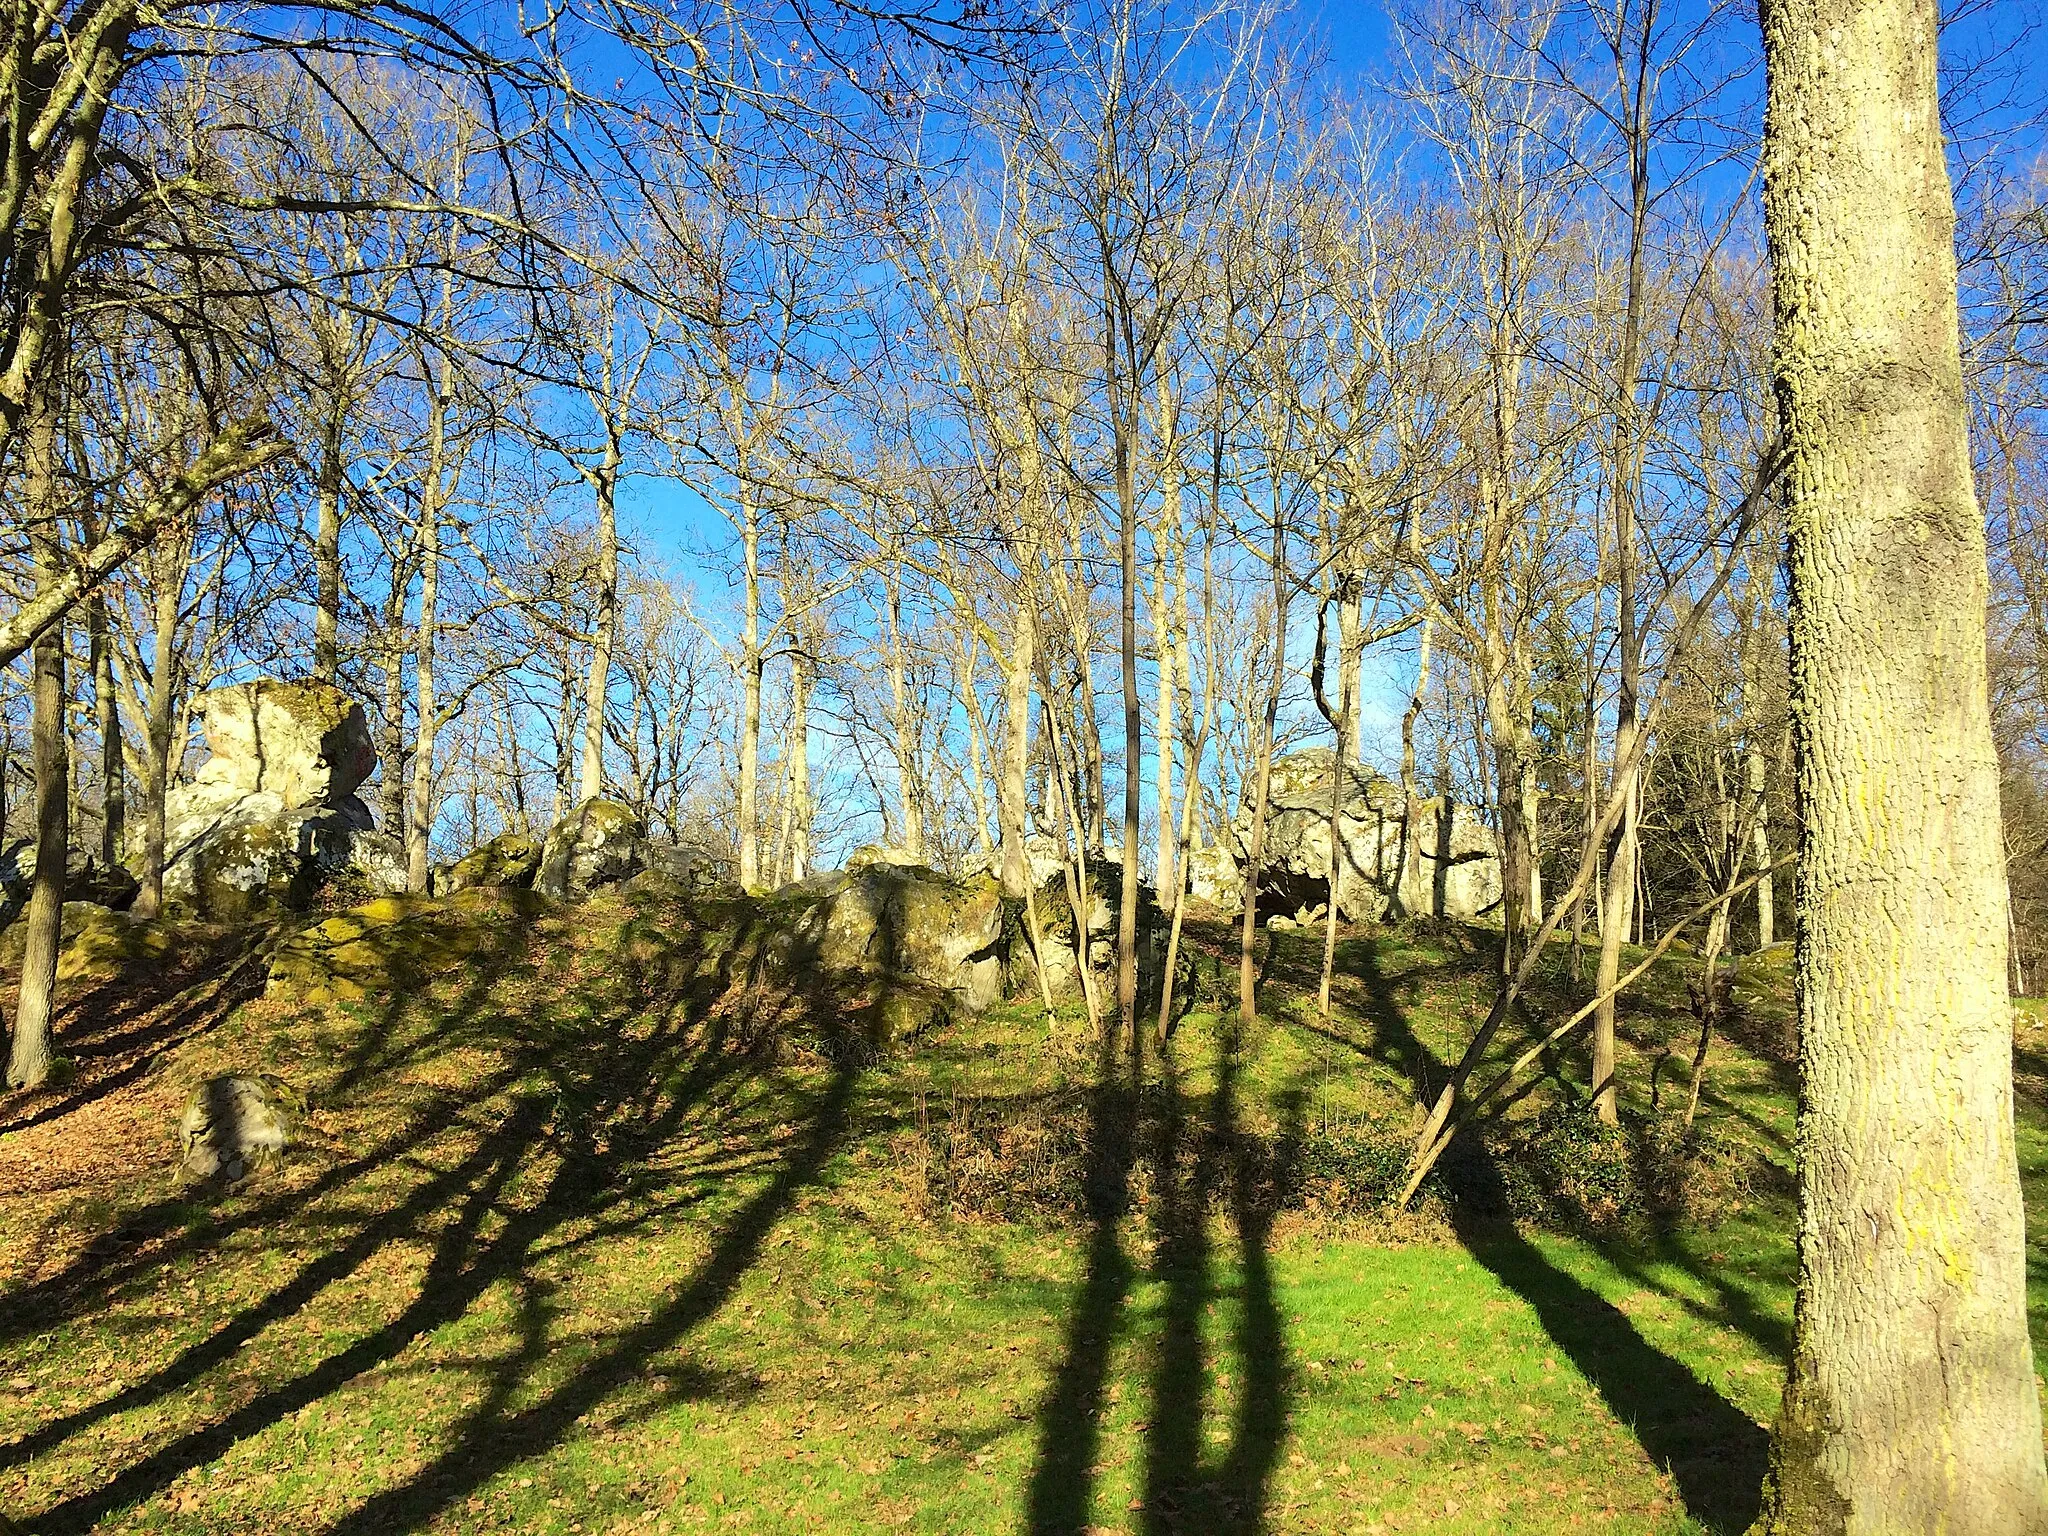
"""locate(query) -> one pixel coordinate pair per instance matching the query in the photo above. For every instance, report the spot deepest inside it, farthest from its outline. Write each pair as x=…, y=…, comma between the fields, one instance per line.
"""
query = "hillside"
x=581, y=1235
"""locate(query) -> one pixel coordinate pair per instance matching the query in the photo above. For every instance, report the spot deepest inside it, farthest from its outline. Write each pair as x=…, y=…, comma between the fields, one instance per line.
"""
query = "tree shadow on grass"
x=1713, y=1450
x=1203, y=1165
x=1069, y=1432
x=565, y=1127
x=1200, y=1161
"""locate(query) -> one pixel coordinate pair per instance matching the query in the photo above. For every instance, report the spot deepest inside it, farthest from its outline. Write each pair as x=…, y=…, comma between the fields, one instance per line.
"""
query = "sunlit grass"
x=569, y=1249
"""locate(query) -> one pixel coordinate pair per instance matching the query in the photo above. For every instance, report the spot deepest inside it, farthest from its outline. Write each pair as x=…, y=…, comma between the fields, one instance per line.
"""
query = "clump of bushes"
x=1350, y=1168
x=1076, y=1155
x=1563, y=1168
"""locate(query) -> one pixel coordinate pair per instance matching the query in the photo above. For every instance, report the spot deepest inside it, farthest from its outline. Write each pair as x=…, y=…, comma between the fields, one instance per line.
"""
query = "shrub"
x=1563, y=1168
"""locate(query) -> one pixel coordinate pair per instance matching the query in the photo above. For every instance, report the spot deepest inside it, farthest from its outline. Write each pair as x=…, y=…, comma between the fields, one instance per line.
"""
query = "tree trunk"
x=1911, y=1404
x=751, y=664
x=605, y=481
x=28, y=1061
x=903, y=721
x=107, y=719
x=1760, y=846
x=1163, y=729
x=799, y=808
x=1011, y=799
x=1262, y=774
x=419, y=825
x=171, y=563
x=969, y=660
x=327, y=551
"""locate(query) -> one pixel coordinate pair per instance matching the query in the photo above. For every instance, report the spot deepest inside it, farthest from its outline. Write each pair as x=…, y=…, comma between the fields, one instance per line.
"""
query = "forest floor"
x=573, y=1243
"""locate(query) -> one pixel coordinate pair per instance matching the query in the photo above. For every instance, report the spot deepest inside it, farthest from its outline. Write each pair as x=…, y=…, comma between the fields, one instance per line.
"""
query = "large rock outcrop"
x=599, y=843
x=1448, y=865
x=85, y=879
x=891, y=920
x=273, y=815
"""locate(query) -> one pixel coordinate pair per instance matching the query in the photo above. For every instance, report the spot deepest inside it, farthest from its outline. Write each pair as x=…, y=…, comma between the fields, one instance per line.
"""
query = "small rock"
x=235, y=1126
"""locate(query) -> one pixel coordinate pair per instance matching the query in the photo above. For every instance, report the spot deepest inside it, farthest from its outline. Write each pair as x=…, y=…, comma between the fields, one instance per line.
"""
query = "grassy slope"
x=571, y=1246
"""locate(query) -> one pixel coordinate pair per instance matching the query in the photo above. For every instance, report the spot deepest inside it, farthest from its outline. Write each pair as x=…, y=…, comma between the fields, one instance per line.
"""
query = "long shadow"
x=621, y=1095
x=1712, y=1450
x=1184, y=1491
x=138, y=1016
x=493, y=1439
x=1069, y=1428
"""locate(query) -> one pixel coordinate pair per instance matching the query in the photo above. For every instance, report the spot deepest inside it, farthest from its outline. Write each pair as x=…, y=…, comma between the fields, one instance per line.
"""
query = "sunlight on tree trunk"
x=1912, y=1404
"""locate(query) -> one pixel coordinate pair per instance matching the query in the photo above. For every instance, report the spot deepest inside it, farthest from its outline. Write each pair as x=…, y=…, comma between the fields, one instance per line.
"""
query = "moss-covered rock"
x=99, y=943
x=599, y=843
x=236, y=1125
x=509, y=859
x=384, y=946
x=889, y=920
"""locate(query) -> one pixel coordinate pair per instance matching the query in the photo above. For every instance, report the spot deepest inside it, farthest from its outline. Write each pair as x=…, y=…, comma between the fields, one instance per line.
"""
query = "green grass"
x=577, y=1243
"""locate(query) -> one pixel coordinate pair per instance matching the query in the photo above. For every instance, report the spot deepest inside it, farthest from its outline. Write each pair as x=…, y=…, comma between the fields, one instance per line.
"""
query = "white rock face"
x=273, y=812
x=305, y=743
x=1449, y=866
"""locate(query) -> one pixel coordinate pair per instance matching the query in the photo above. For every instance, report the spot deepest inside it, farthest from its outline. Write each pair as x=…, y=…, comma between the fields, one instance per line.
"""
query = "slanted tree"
x=1912, y=1404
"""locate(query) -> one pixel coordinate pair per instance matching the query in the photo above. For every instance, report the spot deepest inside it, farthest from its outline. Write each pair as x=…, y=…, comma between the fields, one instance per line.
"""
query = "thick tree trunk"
x=1911, y=1404
x=28, y=1059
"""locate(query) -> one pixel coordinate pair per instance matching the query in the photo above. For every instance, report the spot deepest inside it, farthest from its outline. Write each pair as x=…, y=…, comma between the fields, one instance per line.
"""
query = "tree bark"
x=113, y=749
x=1262, y=774
x=28, y=1059
x=604, y=482
x=750, y=712
x=1911, y=1404
x=1760, y=845
x=799, y=810
x=327, y=550
x=902, y=719
x=171, y=566
x=1011, y=798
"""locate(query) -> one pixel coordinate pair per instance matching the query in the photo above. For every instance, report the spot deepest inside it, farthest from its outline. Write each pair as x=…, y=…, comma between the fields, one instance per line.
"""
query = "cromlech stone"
x=884, y=853
x=234, y=1126
x=599, y=843
x=272, y=815
x=697, y=867
x=891, y=920
x=1446, y=865
x=511, y=859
